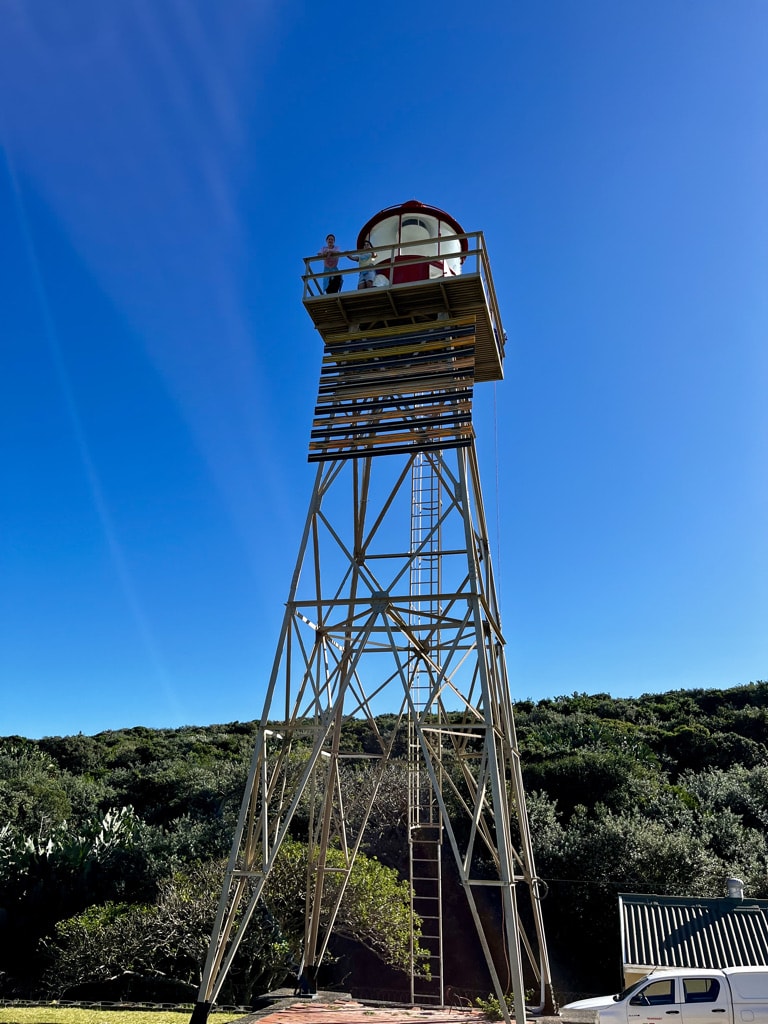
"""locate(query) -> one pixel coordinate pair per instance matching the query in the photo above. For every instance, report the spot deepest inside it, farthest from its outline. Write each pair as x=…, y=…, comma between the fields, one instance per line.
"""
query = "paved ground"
x=337, y=1008
x=351, y=1012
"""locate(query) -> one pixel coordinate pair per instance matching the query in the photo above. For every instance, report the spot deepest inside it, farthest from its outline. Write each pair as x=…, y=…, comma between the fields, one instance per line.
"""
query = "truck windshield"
x=632, y=988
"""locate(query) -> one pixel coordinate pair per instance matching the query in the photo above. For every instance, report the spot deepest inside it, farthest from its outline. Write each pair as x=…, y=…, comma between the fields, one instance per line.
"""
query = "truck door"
x=705, y=1001
x=655, y=1003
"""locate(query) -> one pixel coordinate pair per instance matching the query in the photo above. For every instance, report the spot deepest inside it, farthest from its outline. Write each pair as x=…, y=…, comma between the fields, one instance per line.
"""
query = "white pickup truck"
x=679, y=995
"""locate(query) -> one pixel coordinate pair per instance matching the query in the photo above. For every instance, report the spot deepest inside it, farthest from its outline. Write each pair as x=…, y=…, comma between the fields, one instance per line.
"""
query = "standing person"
x=330, y=253
x=365, y=262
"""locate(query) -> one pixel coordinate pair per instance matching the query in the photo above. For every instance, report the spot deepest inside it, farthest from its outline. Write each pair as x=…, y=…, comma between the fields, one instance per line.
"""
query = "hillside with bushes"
x=112, y=846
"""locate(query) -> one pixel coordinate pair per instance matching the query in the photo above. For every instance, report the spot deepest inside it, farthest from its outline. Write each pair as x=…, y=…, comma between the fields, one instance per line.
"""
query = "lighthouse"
x=392, y=632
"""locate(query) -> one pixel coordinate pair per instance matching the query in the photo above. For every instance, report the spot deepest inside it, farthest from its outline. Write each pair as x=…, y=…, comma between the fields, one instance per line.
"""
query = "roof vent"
x=735, y=888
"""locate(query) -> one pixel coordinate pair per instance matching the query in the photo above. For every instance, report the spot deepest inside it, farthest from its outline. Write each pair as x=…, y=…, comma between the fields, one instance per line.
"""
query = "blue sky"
x=164, y=167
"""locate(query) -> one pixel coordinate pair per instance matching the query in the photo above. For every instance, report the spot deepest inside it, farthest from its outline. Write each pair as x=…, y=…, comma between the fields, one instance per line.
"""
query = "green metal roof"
x=688, y=931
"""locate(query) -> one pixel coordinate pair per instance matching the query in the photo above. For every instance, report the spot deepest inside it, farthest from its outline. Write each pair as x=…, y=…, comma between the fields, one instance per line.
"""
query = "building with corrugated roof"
x=689, y=931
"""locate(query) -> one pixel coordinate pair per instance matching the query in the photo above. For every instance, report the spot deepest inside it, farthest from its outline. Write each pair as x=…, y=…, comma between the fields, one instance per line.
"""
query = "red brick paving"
x=350, y=1012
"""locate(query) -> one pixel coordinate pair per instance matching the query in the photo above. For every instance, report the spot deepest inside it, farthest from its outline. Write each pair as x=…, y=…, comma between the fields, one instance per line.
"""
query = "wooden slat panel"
x=341, y=358
x=456, y=398
x=419, y=434
x=416, y=329
x=350, y=416
x=400, y=449
x=405, y=441
x=389, y=382
x=363, y=426
x=395, y=389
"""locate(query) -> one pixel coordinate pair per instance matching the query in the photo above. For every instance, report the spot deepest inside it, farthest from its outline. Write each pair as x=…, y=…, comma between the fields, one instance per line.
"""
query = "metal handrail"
x=474, y=260
x=311, y=276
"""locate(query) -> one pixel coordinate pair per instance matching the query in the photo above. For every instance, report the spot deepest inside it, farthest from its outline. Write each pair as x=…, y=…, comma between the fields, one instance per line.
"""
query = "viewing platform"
x=411, y=288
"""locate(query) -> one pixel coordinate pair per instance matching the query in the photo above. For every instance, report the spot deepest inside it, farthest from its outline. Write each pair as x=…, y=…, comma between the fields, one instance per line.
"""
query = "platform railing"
x=472, y=260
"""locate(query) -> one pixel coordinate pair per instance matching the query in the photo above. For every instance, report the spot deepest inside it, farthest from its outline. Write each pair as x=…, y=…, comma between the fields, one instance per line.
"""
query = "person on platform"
x=365, y=262
x=330, y=252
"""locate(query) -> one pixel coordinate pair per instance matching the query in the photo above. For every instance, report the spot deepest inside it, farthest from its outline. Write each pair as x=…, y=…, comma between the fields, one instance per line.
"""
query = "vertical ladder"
x=424, y=819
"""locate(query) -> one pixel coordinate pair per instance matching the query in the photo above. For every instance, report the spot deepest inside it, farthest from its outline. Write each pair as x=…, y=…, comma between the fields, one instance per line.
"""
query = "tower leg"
x=355, y=636
x=200, y=1013
x=308, y=980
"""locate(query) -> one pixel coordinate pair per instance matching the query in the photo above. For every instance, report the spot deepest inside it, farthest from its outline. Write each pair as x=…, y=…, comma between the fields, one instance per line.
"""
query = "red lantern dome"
x=401, y=233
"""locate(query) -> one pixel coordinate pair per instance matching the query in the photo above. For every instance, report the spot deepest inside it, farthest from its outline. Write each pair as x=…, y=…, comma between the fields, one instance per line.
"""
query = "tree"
x=375, y=909
x=156, y=951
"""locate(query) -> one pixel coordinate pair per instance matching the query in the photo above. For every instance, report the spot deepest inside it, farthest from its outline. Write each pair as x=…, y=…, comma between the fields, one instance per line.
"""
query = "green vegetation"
x=112, y=847
x=491, y=1006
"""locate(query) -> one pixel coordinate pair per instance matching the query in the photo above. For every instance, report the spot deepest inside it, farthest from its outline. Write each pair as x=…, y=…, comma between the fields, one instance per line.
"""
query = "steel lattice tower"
x=393, y=609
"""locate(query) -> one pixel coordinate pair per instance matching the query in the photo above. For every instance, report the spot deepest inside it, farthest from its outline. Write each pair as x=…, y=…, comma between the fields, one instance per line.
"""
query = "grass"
x=78, y=1015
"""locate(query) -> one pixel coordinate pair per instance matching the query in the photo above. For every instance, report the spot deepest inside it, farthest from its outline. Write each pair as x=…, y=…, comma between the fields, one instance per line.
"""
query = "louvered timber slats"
x=395, y=390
